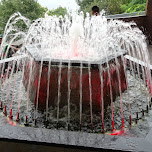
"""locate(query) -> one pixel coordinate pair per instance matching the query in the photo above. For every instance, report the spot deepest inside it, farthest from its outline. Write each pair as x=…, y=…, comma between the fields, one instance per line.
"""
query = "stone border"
x=76, y=140
x=33, y=53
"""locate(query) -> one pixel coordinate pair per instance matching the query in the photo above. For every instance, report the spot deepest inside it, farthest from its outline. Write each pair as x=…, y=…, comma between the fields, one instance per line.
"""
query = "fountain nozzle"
x=147, y=108
x=18, y=118
x=68, y=127
x=137, y=115
x=149, y=105
x=26, y=122
x=122, y=123
x=1, y=108
x=10, y=116
x=92, y=127
x=103, y=128
x=113, y=126
x=137, y=118
x=5, y=112
x=80, y=127
x=130, y=120
x=35, y=121
x=142, y=112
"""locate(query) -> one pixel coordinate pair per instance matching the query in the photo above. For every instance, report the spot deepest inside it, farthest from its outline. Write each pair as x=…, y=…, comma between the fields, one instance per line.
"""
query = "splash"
x=90, y=39
x=75, y=37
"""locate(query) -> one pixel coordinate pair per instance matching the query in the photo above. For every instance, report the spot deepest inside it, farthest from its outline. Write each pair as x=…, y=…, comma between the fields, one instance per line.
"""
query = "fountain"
x=81, y=75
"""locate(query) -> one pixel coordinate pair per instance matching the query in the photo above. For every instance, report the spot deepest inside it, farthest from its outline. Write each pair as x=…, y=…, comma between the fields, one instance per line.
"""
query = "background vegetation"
x=113, y=6
x=28, y=8
x=33, y=10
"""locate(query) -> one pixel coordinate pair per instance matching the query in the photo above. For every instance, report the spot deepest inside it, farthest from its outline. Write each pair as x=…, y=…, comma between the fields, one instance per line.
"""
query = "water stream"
x=87, y=46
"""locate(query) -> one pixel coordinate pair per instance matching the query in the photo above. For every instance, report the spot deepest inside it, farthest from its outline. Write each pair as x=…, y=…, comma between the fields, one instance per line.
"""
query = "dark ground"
x=9, y=146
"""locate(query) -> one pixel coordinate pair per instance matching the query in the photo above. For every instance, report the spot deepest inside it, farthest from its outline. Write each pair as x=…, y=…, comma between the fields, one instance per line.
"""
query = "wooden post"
x=149, y=8
x=148, y=20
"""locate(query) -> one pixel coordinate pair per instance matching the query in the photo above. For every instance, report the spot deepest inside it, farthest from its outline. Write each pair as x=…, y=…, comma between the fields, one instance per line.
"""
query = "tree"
x=86, y=5
x=134, y=6
x=113, y=6
x=60, y=11
x=28, y=8
x=110, y=6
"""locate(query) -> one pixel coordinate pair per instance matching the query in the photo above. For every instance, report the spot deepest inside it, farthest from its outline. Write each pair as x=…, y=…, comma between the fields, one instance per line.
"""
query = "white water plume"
x=83, y=39
x=75, y=37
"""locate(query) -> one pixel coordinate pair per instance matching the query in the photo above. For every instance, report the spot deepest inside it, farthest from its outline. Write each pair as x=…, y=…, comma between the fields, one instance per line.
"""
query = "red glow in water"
x=125, y=62
x=26, y=119
x=75, y=50
x=113, y=125
x=74, y=85
x=103, y=127
x=11, y=122
x=108, y=82
x=76, y=55
x=122, y=122
x=10, y=113
x=130, y=120
x=116, y=133
x=5, y=110
x=17, y=116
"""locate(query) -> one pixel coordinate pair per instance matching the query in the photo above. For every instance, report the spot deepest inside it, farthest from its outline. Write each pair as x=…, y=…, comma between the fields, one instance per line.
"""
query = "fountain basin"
x=34, y=138
x=74, y=82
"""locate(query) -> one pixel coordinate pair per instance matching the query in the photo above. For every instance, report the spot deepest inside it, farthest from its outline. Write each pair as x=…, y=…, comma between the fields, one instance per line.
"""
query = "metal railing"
x=127, y=15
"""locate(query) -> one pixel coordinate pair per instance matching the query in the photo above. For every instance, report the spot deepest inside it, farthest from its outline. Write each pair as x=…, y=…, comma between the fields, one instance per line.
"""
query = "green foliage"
x=113, y=6
x=28, y=8
x=134, y=6
x=110, y=6
x=60, y=11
